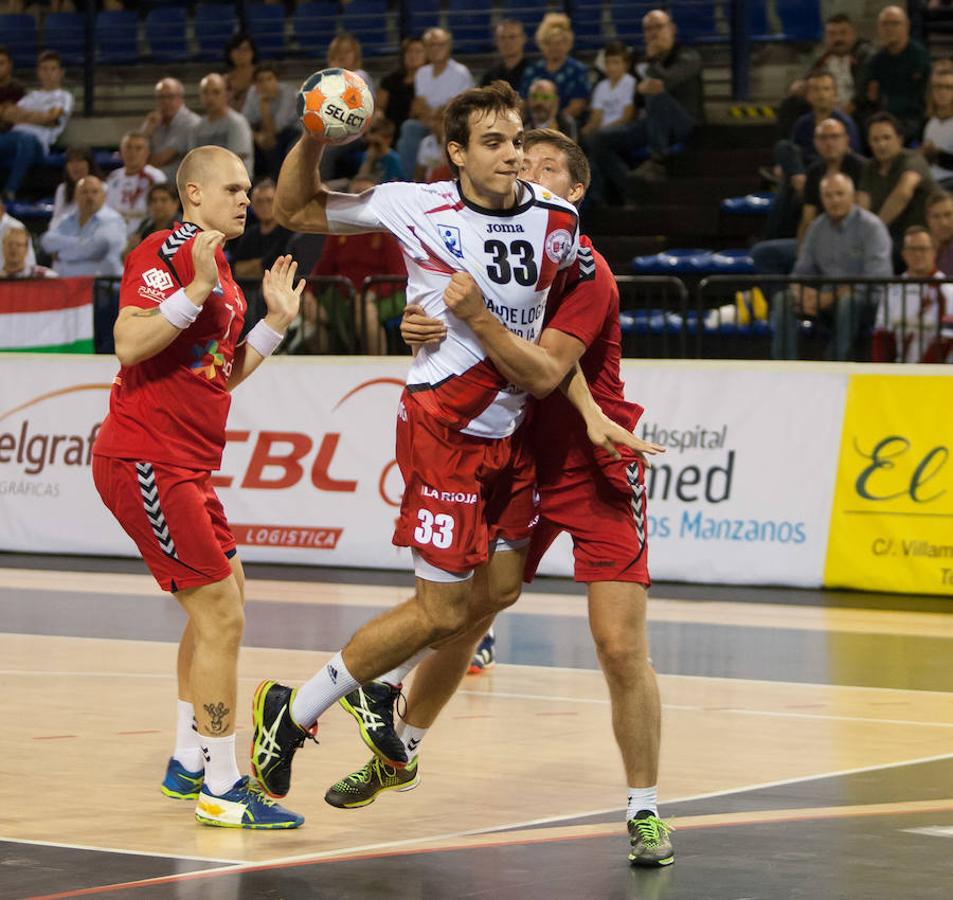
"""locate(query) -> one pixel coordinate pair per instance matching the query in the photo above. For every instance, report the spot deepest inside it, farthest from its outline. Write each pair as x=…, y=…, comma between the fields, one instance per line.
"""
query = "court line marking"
x=209, y=859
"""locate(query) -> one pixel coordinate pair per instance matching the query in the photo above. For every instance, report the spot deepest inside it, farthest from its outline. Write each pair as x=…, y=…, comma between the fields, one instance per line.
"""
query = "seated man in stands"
x=169, y=127
x=896, y=182
x=670, y=86
x=542, y=109
x=510, y=39
x=221, y=125
x=17, y=248
x=940, y=223
x=909, y=326
x=264, y=240
x=162, y=204
x=897, y=75
x=845, y=241
x=89, y=241
x=270, y=108
x=128, y=186
x=38, y=119
x=777, y=256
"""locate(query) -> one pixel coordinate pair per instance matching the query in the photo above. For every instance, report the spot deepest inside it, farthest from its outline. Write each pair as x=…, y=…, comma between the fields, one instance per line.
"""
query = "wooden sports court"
x=807, y=748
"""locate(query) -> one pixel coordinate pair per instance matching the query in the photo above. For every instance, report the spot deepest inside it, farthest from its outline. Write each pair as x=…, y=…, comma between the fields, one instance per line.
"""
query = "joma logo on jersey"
x=450, y=235
x=158, y=279
x=499, y=228
x=447, y=496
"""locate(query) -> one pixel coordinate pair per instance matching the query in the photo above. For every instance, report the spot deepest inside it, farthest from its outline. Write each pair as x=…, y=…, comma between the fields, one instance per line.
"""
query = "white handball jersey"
x=128, y=194
x=513, y=255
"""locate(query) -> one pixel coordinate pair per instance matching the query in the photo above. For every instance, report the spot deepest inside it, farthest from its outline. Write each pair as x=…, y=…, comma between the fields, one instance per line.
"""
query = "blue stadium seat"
x=587, y=25
x=367, y=21
x=165, y=32
x=66, y=34
x=214, y=25
x=689, y=261
x=472, y=26
x=419, y=15
x=731, y=262
x=18, y=35
x=314, y=26
x=266, y=25
x=529, y=12
x=695, y=20
x=748, y=205
x=801, y=19
x=117, y=37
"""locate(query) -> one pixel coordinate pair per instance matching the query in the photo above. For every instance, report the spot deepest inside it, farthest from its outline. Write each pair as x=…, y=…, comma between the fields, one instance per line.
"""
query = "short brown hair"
x=915, y=230
x=937, y=197
x=498, y=97
x=575, y=158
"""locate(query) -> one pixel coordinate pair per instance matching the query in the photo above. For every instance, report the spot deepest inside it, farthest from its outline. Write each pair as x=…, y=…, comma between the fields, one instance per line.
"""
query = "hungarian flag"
x=50, y=315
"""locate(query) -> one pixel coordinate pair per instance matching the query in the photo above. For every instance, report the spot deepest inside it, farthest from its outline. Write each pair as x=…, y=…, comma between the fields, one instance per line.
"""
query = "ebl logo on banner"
x=892, y=517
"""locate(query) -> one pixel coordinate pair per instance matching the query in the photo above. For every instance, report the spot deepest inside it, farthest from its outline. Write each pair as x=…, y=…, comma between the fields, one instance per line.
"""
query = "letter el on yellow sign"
x=892, y=518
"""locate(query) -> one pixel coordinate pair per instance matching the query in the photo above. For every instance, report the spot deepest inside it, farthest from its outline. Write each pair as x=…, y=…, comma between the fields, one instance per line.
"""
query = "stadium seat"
x=731, y=262
x=367, y=21
x=529, y=12
x=587, y=25
x=117, y=37
x=214, y=25
x=165, y=32
x=472, y=26
x=801, y=19
x=266, y=25
x=690, y=261
x=695, y=20
x=748, y=205
x=419, y=15
x=18, y=35
x=314, y=26
x=66, y=34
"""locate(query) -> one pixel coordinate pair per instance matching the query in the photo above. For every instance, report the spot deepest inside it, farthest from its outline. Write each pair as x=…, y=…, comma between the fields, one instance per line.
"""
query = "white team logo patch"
x=558, y=243
x=158, y=279
x=450, y=235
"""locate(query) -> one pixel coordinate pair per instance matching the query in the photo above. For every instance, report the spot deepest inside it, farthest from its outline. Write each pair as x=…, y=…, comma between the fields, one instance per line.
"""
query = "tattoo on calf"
x=217, y=713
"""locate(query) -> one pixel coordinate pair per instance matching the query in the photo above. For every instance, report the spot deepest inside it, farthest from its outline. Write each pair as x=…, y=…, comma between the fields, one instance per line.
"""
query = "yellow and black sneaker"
x=276, y=737
x=372, y=706
x=361, y=788
x=649, y=839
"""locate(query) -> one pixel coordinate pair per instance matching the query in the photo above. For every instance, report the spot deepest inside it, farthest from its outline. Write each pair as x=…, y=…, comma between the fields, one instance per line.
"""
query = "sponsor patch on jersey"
x=148, y=293
x=558, y=243
x=450, y=235
x=158, y=279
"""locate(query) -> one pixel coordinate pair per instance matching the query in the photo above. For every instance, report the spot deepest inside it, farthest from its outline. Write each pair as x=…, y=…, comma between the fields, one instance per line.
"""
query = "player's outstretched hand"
x=203, y=260
x=282, y=296
x=419, y=330
x=609, y=435
x=463, y=297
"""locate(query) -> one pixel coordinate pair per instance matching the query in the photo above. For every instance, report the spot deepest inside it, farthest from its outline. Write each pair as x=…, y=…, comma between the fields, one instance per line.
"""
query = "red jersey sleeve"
x=157, y=268
x=585, y=298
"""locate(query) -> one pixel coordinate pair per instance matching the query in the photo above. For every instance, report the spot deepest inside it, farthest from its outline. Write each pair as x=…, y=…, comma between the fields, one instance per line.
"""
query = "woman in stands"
x=555, y=38
x=79, y=163
x=241, y=57
x=396, y=93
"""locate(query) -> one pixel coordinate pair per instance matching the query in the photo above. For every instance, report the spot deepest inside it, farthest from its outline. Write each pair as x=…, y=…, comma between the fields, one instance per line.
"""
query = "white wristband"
x=264, y=339
x=179, y=310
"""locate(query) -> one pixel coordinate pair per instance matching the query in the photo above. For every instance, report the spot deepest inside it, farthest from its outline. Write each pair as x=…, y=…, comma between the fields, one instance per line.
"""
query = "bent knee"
x=622, y=660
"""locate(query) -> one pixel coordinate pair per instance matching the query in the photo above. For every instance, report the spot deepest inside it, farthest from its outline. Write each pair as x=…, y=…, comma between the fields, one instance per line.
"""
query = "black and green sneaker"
x=361, y=788
x=276, y=737
x=372, y=706
x=649, y=837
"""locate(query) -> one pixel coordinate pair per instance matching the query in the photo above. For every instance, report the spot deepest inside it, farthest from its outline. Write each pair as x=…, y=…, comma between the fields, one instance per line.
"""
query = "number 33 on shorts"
x=436, y=530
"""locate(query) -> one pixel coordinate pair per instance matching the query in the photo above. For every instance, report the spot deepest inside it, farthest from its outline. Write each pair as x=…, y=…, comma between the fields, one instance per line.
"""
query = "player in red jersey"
x=596, y=496
x=180, y=317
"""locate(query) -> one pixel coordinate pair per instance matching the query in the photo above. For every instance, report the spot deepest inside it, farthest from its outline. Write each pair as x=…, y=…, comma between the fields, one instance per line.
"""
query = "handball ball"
x=335, y=105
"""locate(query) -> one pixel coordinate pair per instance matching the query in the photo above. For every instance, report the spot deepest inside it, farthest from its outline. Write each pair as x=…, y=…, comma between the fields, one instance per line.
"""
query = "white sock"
x=395, y=677
x=412, y=736
x=323, y=690
x=642, y=798
x=221, y=769
x=187, y=750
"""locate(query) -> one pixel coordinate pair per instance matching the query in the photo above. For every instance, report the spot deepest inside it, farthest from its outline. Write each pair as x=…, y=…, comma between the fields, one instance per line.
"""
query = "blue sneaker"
x=485, y=656
x=244, y=806
x=179, y=783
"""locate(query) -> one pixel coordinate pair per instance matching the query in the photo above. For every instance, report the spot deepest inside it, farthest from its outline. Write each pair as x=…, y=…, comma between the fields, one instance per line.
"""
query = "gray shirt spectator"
x=221, y=126
x=859, y=244
x=169, y=127
x=280, y=97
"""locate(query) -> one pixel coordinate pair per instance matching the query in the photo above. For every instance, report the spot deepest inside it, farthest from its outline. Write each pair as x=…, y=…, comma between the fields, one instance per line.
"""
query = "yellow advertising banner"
x=892, y=517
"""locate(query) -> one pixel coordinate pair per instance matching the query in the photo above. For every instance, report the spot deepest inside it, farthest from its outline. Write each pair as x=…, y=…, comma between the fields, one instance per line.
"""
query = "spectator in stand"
x=271, y=110
x=79, y=163
x=670, y=86
x=844, y=55
x=381, y=162
x=555, y=38
x=9, y=223
x=434, y=84
x=613, y=100
x=162, y=203
x=845, y=241
x=937, y=144
x=510, y=39
x=38, y=119
x=89, y=241
x=432, y=164
x=344, y=52
x=777, y=256
x=542, y=109
x=896, y=182
x=11, y=91
x=357, y=257
x=940, y=223
x=221, y=125
x=241, y=57
x=396, y=92
x=909, y=326
x=128, y=186
x=17, y=253
x=898, y=73
x=264, y=240
x=169, y=127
